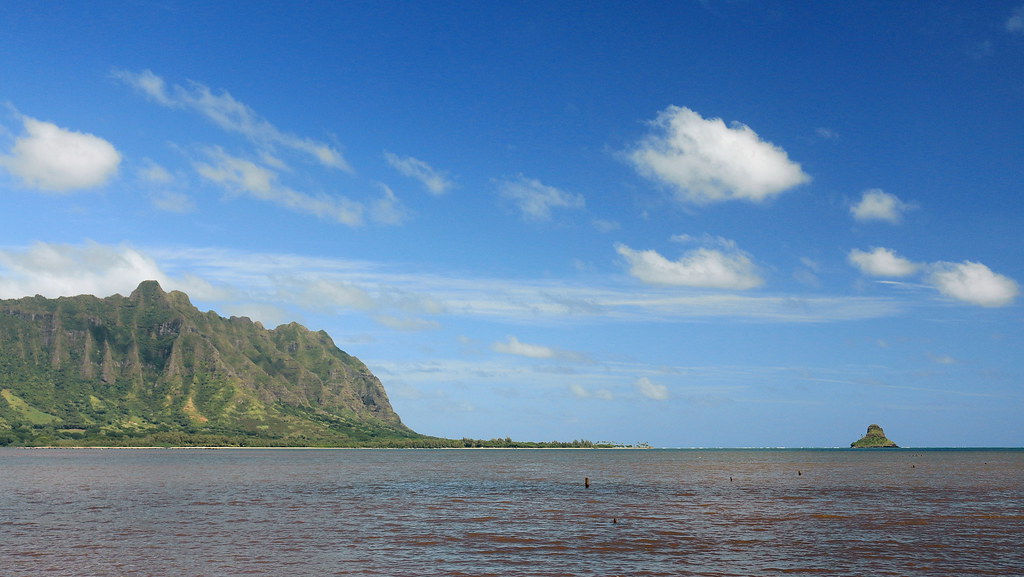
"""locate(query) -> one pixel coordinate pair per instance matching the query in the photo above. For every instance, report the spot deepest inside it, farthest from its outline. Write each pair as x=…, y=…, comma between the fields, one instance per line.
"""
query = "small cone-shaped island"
x=874, y=439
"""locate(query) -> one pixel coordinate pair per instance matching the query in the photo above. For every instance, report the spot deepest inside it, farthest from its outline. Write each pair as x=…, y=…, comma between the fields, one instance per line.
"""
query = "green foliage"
x=152, y=368
x=874, y=438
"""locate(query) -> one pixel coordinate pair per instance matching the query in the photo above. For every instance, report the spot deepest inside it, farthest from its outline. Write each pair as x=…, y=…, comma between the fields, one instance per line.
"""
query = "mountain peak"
x=147, y=288
x=114, y=368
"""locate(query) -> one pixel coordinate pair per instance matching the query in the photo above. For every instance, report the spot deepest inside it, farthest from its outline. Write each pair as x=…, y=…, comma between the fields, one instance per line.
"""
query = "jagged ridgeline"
x=150, y=368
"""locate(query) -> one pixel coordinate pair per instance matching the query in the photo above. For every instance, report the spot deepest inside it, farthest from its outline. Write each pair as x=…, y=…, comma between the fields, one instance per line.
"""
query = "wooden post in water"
x=586, y=482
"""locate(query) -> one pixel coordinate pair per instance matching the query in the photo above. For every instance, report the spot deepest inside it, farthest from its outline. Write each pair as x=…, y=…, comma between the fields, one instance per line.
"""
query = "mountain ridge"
x=152, y=367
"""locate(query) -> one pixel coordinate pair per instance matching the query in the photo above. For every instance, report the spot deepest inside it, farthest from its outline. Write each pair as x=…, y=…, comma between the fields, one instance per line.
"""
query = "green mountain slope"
x=874, y=439
x=150, y=368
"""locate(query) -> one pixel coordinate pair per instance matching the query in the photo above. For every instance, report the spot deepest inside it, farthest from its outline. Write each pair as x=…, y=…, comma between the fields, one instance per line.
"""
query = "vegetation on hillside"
x=874, y=439
x=152, y=370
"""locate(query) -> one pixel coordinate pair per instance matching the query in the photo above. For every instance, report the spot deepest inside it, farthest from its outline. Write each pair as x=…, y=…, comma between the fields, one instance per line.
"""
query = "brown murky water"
x=295, y=513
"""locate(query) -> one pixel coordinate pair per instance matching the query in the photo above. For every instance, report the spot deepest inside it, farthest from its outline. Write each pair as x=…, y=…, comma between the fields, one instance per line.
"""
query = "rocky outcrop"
x=874, y=439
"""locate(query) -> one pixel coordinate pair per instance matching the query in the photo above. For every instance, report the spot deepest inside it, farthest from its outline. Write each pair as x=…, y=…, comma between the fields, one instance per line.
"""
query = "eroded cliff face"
x=153, y=362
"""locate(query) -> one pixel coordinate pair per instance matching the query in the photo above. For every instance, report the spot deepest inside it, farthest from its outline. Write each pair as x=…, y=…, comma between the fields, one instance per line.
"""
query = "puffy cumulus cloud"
x=705, y=161
x=48, y=157
x=54, y=270
x=974, y=283
x=701, y=267
x=536, y=200
x=244, y=176
x=436, y=181
x=882, y=262
x=651, y=390
x=229, y=114
x=878, y=205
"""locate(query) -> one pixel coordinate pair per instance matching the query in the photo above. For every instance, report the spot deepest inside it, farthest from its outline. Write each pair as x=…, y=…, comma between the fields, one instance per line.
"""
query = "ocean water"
x=293, y=513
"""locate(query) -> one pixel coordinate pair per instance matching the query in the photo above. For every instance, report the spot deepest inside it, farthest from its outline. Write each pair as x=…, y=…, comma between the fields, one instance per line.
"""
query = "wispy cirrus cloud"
x=581, y=392
x=536, y=200
x=244, y=176
x=55, y=159
x=651, y=390
x=223, y=110
x=1015, y=23
x=162, y=186
x=513, y=346
x=436, y=181
x=704, y=161
x=248, y=283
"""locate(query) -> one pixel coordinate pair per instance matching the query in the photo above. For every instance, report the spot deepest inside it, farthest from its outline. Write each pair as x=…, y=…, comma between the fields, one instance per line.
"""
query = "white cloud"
x=48, y=157
x=171, y=201
x=651, y=390
x=1015, y=23
x=222, y=279
x=54, y=270
x=882, y=262
x=436, y=181
x=342, y=295
x=514, y=347
x=161, y=182
x=942, y=359
x=407, y=324
x=876, y=204
x=807, y=272
x=701, y=267
x=229, y=114
x=535, y=199
x=581, y=392
x=974, y=283
x=244, y=176
x=388, y=209
x=153, y=173
x=706, y=161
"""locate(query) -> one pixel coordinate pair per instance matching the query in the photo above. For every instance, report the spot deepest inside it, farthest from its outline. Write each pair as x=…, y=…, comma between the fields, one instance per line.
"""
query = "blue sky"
x=686, y=224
